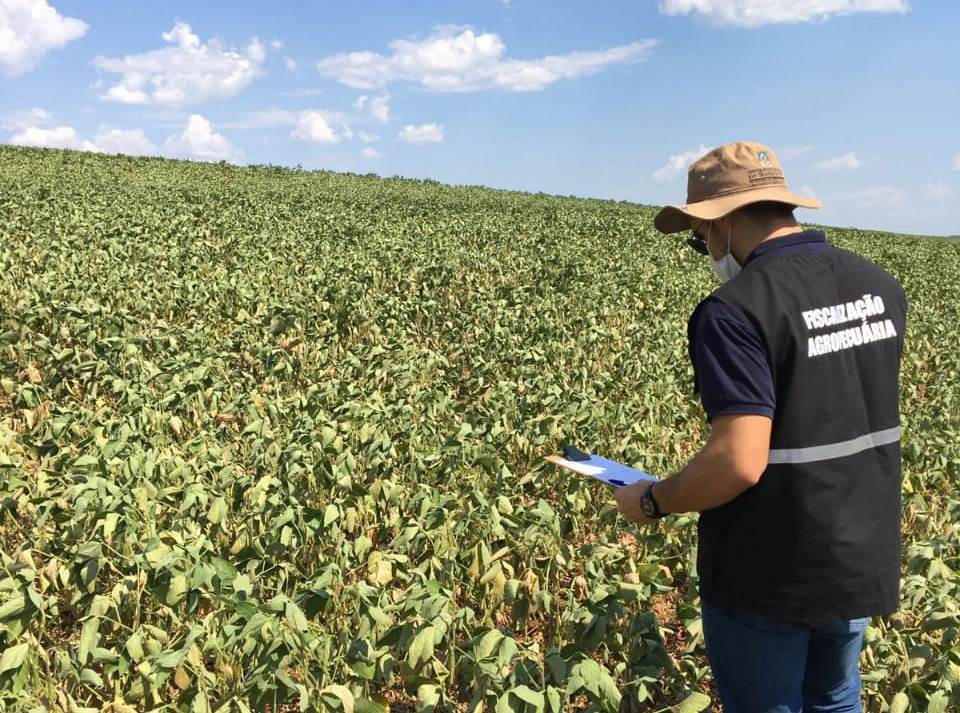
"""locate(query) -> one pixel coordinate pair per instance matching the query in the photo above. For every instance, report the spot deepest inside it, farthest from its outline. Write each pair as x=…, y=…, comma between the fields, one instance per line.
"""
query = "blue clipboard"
x=606, y=471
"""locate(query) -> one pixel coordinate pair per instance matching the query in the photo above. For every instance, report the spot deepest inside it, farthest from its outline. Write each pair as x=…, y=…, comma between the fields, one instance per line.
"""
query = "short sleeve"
x=730, y=362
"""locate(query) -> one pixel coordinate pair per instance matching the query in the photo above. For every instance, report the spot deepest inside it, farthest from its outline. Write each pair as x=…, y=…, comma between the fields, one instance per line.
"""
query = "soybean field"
x=273, y=439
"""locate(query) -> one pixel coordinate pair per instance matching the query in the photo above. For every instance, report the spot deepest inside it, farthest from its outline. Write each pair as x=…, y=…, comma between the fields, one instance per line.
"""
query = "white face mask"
x=726, y=267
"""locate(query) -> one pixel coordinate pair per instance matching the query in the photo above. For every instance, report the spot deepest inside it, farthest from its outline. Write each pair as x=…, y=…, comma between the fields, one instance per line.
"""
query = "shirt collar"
x=807, y=236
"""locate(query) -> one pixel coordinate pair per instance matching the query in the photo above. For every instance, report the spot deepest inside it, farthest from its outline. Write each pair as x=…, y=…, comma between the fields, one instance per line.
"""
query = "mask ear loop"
x=729, y=236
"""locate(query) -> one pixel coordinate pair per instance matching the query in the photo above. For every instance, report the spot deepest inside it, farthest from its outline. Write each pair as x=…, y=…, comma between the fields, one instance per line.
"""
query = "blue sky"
x=859, y=98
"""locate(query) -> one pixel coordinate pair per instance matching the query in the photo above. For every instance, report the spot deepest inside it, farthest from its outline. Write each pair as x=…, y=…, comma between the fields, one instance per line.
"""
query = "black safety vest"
x=819, y=535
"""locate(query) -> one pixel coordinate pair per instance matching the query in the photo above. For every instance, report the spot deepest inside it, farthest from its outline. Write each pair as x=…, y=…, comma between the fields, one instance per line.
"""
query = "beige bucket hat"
x=727, y=178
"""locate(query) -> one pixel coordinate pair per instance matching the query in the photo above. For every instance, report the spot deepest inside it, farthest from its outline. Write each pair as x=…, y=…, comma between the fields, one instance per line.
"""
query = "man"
x=796, y=357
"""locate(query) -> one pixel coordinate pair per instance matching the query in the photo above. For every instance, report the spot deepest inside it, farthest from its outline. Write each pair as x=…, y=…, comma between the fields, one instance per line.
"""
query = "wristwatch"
x=649, y=505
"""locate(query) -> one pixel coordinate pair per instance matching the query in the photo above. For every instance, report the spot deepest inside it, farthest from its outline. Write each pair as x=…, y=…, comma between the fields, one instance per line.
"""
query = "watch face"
x=646, y=504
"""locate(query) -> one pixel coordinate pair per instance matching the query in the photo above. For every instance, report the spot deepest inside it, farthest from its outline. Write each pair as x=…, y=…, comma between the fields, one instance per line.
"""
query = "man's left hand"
x=628, y=502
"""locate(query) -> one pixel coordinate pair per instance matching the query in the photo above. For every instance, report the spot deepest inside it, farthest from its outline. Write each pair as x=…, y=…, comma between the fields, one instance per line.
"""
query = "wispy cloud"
x=379, y=107
x=423, y=134
x=302, y=92
x=306, y=121
x=457, y=59
x=883, y=198
x=790, y=153
x=263, y=119
x=936, y=191
x=26, y=118
x=754, y=13
x=677, y=164
x=846, y=162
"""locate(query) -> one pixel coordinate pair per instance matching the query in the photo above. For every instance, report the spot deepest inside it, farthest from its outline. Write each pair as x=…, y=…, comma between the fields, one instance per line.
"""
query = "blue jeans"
x=764, y=665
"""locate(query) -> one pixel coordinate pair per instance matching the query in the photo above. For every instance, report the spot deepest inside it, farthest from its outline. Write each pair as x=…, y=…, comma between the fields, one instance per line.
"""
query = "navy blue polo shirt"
x=733, y=373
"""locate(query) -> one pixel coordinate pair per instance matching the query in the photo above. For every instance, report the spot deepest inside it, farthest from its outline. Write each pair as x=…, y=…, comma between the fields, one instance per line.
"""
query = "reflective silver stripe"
x=835, y=450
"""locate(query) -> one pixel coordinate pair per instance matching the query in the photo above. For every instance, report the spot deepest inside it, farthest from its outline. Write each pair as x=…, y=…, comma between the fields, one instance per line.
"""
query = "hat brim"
x=675, y=219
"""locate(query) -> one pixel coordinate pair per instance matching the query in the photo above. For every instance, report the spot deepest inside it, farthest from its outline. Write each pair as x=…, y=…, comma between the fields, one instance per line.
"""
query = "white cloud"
x=935, y=191
x=256, y=51
x=39, y=114
x=313, y=126
x=808, y=191
x=423, y=134
x=186, y=72
x=677, y=164
x=276, y=44
x=846, y=162
x=370, y=152
x=196, y=141
x=789, y=153
x=956, y=162
x=132, y=142
x=367, y=138
x=26, y=118
x=58, y=137
x=456, y=59
x=753, y=13
x=29, y=29
x=290, y=64
x=884, y=198
x=380, y=108
x=199, y=140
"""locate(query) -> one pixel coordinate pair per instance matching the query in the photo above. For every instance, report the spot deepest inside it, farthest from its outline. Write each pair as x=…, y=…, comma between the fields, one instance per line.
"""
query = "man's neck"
x=780, y=232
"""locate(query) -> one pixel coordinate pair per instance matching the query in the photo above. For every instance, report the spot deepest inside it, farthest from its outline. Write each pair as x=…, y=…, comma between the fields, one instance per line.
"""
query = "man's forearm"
x=709, y=480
